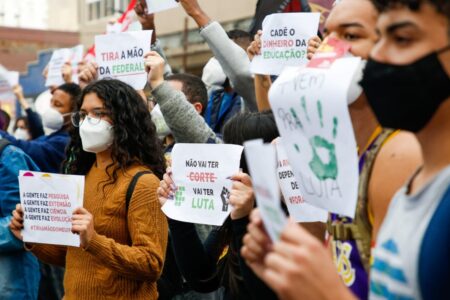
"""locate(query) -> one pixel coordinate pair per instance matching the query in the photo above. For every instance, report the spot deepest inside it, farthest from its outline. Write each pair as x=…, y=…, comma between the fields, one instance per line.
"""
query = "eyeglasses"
x=93, y=117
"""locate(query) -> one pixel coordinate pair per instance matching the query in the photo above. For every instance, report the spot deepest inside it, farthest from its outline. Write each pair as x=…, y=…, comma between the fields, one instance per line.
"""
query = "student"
x=48, y=151
x=34, y=121
x=203, y=265
x=19, y=269
x=407, y=82
x=386, y=158
x=122, y=245
x=21, y=129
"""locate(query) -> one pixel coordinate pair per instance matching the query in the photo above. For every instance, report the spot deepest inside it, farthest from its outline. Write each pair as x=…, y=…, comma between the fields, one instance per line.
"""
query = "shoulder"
x=147, y=179
x=400, y=153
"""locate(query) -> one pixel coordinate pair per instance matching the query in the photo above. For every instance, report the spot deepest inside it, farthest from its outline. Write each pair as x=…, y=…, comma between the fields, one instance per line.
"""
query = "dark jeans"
x=51, y=286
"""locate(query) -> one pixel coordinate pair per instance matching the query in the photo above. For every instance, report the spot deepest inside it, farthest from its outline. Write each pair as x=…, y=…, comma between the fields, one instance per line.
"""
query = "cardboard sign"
x=160, y=5
x=310, y=108
x=48, y=201
x=59, y=58
x=284, y=42
x=121, y=56
x=201, y=174
x=299, y=210
x=261, y=160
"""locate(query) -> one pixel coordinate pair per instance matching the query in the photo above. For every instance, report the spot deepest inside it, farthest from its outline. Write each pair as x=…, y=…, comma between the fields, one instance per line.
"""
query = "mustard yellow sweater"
x=125, y=257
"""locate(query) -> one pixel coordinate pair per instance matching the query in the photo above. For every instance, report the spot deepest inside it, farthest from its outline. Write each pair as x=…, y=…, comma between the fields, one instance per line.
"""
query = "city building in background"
x=179, y=35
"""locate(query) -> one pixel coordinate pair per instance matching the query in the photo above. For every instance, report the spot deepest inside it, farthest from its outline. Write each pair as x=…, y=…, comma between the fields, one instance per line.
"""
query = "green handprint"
x=179, y=196
x=322, y=170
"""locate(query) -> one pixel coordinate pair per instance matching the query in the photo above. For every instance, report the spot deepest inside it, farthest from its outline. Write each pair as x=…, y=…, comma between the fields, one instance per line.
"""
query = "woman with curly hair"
x=123, y=241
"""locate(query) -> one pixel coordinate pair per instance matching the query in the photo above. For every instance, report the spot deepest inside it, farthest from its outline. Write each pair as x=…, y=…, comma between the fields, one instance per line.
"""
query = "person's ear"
x=198, y=107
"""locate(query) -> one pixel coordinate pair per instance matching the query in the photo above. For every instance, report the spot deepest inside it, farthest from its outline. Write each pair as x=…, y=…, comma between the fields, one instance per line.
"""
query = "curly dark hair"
x=135, y=138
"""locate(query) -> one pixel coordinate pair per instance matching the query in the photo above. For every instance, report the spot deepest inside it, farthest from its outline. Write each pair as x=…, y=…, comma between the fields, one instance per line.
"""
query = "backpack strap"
x=3, y=143
x=131, y=187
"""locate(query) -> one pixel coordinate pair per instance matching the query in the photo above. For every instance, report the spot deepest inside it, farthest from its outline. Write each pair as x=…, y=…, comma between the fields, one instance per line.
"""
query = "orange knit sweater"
x=125, y=257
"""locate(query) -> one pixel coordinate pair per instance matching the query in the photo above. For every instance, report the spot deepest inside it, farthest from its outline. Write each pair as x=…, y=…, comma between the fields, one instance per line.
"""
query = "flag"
x=125, y=20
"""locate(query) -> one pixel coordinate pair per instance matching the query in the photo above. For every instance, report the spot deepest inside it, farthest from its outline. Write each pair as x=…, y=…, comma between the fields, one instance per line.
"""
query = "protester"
x=231, y=56
x=48, y=151
x=410, y=245
x=122, y=248
x=34, y=122
x=21, y=129
x=202, y=264
x=19, y=268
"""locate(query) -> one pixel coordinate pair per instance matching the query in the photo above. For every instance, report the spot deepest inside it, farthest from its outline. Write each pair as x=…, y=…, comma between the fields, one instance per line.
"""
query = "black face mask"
x=406, y=96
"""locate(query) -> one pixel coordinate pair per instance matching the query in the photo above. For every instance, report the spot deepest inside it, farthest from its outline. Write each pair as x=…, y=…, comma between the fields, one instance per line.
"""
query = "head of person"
x=250, y=126
x=194, y=89
x=354, y=21
x=111, y=119
x=62, y=104
x=5, y=120
x=240, y=37
x=21, y=129
x=411, y=64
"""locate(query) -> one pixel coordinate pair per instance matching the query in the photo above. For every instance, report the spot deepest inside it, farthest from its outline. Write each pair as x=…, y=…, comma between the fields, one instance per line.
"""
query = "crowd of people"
x=121, y=139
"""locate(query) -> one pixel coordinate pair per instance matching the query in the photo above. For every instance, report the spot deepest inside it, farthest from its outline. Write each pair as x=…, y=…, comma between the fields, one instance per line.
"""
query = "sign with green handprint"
x=312, y=116
x=201, y=175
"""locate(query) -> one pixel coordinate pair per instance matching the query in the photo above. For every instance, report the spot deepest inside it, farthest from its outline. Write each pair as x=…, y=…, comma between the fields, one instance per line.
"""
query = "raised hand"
x=154, y=66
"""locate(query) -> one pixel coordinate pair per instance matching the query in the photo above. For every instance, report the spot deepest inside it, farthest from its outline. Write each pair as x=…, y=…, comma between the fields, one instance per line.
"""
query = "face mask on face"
x=355, y=89
x=406, y=96
x=21, y=134
x=96, y=138
x=53, y=119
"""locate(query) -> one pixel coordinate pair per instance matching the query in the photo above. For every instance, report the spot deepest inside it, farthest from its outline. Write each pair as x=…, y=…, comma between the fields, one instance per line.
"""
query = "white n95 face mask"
x=52, y=119
x=21, y=134
x=96, y=138
x=355, y=89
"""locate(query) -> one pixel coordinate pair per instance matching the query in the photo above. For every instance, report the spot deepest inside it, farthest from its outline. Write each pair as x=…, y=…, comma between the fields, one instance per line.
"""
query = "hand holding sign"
x=154, y=66
x=241, y=198
x=83, y=224
x=89, y=74
x=16, y=224
x=200, y=173
x=255, y=47
x=284, y=41
x=120, y=56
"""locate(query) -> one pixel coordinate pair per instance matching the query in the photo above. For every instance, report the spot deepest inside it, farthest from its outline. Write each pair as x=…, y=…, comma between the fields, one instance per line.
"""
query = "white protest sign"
x=59, y=58
x=261, y=160
x=310, y=108
x=284, y=42
x=12, y=77
x=121, y=56
x=6, y=91
x=299, y=210
x=160, y=5
x=201, y=174
x=48, y=201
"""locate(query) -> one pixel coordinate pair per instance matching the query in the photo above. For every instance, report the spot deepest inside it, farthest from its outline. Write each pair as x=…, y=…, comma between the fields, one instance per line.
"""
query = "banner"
x=299, y=210
x=121, y=56
x=261, y=160
x=160, y=5
x=284, y=42
x=59, y=58
x=48, y=201
x=201, y=173
x=310, y=108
